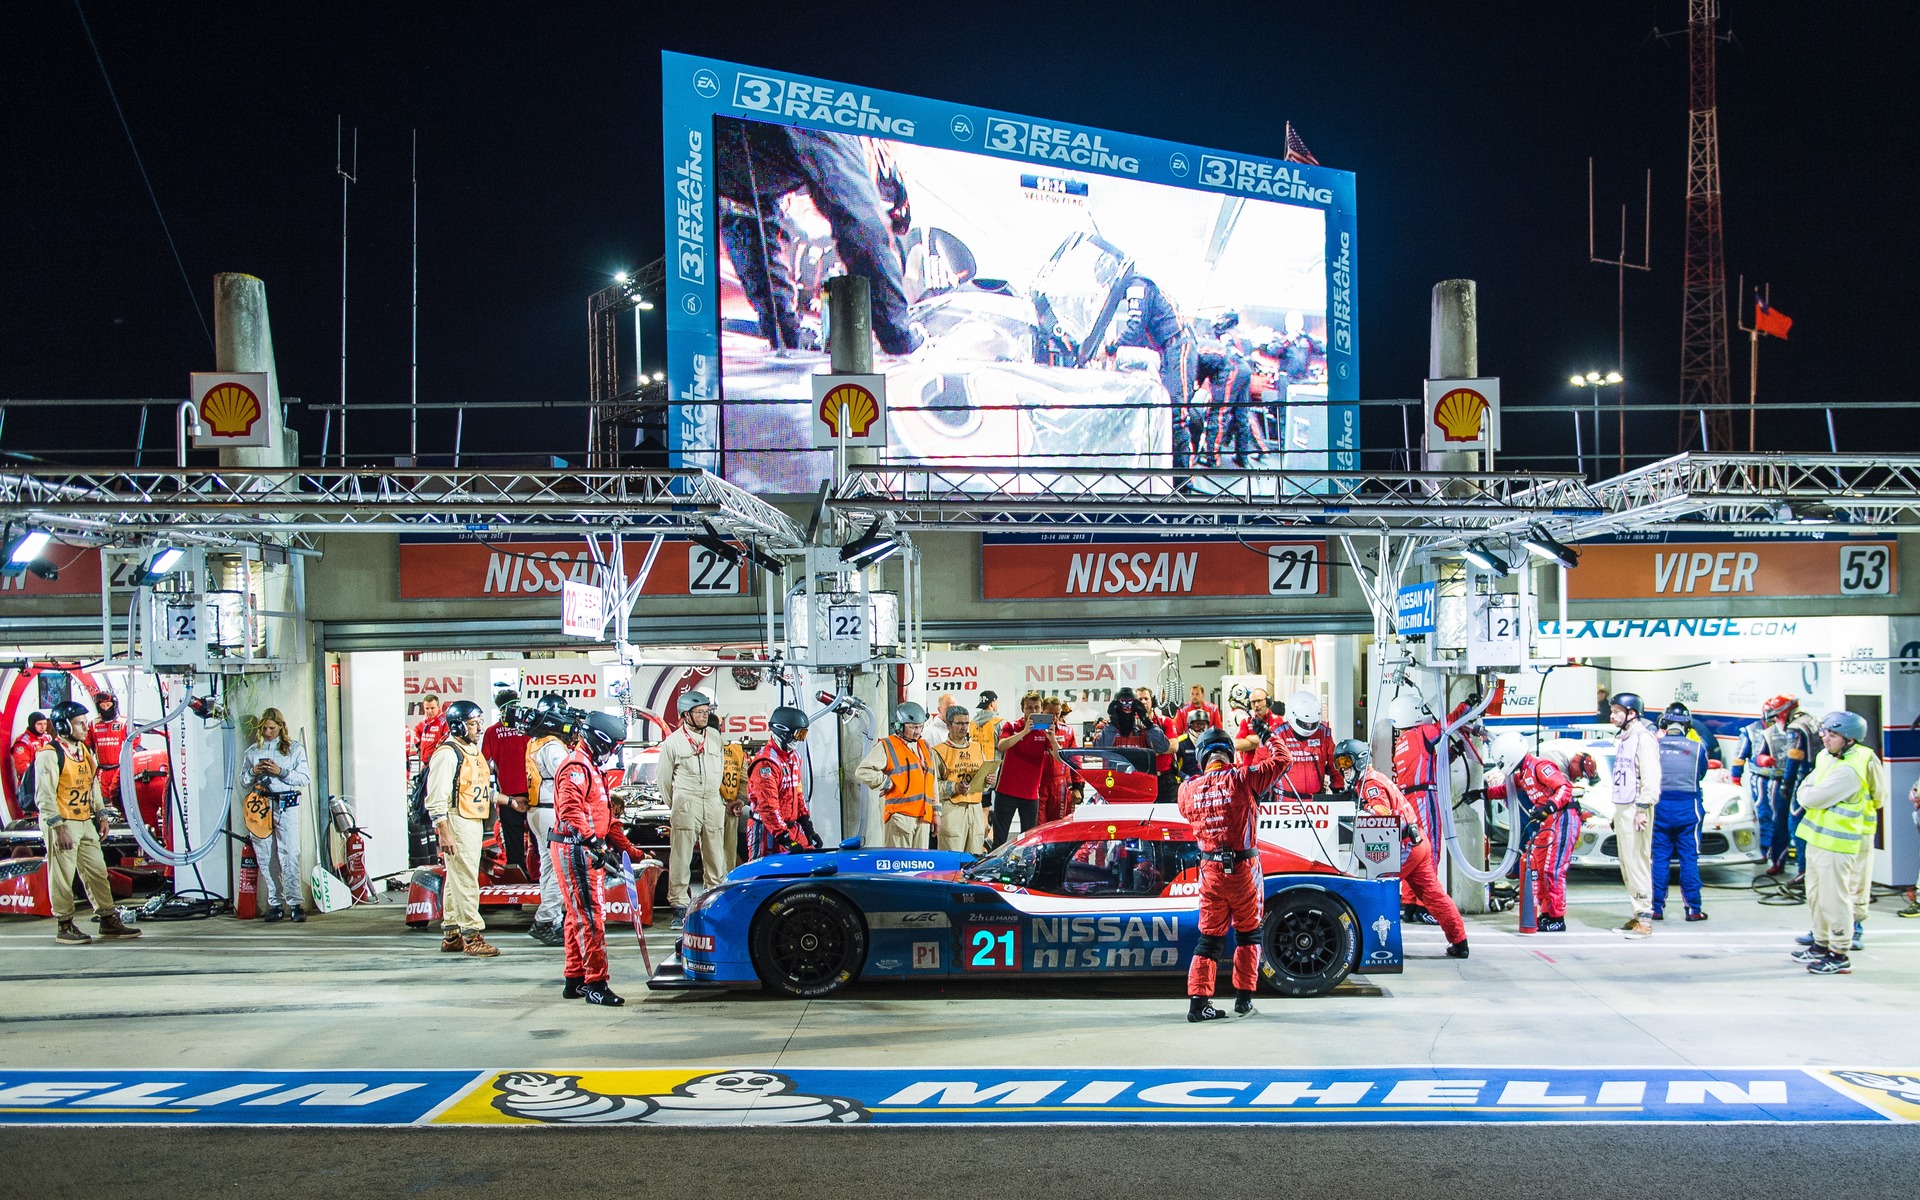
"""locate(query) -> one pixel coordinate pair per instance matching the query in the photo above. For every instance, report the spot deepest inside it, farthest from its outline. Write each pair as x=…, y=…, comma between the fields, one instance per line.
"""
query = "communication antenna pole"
x=1620, y=267
x=1704, y=377
x=413, y=402
x=347, y=176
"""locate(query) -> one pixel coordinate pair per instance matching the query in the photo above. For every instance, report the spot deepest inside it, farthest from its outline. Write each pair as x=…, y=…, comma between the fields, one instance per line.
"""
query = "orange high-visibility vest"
x=909, y=779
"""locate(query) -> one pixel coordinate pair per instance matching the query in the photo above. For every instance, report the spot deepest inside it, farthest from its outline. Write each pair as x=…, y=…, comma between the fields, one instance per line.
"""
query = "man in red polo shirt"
x=1024, y=747
x=1197, y=701
x=505, y=746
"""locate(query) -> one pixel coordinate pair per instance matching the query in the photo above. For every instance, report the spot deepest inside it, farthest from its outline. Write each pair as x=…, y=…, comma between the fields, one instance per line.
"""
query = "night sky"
x=540, y=176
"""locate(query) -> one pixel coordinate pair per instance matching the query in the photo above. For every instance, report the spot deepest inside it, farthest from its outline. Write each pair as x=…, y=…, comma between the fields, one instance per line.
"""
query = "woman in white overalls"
x=276, y=770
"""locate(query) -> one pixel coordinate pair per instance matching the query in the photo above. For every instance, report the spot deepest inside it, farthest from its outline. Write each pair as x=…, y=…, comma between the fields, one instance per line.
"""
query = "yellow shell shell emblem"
x=1460, y=415
x=230, y=410
x=861, y=409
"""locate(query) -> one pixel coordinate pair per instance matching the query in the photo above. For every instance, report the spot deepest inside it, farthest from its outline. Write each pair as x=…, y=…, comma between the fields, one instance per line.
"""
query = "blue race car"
x=1112, y=890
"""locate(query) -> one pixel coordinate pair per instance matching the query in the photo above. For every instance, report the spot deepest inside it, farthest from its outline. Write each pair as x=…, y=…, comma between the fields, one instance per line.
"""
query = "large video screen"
x=1043, y=296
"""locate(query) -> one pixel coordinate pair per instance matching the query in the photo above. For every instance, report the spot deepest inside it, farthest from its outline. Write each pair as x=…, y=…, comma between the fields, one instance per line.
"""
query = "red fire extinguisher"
x=356, y=866
x=246, y=892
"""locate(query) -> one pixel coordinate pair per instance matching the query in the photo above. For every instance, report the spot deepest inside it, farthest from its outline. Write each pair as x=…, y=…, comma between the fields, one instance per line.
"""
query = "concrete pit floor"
x=358, y=989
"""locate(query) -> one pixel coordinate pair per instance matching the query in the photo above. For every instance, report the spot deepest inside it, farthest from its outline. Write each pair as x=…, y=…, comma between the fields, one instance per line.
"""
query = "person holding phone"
x=276, y=767
x=1024, y=746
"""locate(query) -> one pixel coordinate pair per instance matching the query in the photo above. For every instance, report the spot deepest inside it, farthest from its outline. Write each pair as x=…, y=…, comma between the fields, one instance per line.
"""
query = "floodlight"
x=869, y=548
x=1545, y=545
x=1480, y=556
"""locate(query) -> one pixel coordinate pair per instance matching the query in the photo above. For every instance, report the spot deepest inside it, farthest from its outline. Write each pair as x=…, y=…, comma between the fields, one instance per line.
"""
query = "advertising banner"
x=822, y=1097
x=1703, y=567
x=1040, y=290
x=1075, y=566
x=582, y=610
x=1462, y=414
x=515, y=569
x=232, y=409
x=1083, y=679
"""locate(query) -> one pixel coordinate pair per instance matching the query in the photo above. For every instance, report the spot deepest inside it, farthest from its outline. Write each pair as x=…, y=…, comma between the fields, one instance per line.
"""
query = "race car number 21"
x=991, y=947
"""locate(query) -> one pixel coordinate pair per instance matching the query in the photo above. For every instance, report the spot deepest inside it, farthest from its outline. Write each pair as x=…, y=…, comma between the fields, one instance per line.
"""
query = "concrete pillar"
x=243, y=341
x=850, y=338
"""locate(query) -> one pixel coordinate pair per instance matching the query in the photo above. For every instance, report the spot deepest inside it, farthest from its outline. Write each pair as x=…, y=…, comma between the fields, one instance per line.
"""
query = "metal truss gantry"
x=1426, y=503
x=104, y=506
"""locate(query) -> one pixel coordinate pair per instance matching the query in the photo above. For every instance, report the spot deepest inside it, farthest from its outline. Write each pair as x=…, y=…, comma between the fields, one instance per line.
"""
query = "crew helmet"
x=786, y=724
x=1214, y=743
x=1404, y=710
x=463, y=718
x=1303, y=710
x=908, y=713
x=1198, y=719
x=690, y=700
x=1849, y=725
x=603, y=732
x=1779, y=708
x=61, y=718
x=1676, y=714
x=1507, y=748
x=1629, y=701
x=1352, y=756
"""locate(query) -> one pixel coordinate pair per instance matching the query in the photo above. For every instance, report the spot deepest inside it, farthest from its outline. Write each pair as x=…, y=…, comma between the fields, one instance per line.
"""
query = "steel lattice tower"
x=1705, y=385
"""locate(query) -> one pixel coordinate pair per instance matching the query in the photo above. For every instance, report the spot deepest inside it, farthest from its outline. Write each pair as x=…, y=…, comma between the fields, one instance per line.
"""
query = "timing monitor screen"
x=1026, y=314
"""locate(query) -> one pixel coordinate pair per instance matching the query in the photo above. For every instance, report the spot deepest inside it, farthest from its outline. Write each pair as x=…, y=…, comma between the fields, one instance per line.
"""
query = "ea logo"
x=706, y=82
x=1178, y=165
x=690, y=303
x=962, y=127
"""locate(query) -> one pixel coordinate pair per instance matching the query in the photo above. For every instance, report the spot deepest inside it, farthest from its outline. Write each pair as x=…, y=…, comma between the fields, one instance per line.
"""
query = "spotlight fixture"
x=1546, y=546
x=159, y=565
x=20, y=552
x=1481, y=556
x=869, y=548
x=760, y=558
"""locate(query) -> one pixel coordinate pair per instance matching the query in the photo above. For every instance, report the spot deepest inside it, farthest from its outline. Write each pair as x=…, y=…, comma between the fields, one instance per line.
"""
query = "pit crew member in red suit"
x=1545, y=785
x=583, y=822
x=1197, y=702
x=775, y=790
x=1379, y=795
x=36, y=737
x=105, y=737
x=1311, y=744
x=1223, y=807
x=431, y=731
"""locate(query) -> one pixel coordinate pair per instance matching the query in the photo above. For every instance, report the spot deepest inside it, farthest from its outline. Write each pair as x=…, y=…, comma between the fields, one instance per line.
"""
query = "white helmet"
x=1303, y=711
x=1404, y=710
x=1508, y=748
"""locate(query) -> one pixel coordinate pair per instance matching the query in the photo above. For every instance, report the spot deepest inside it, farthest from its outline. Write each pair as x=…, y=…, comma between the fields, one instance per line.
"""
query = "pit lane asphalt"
x=358, y=989
x=1739, y=1162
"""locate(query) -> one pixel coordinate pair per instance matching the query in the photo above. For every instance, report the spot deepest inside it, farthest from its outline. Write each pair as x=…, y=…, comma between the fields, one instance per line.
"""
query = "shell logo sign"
x=1463, y=414
x=232, y=408
x=853, y=407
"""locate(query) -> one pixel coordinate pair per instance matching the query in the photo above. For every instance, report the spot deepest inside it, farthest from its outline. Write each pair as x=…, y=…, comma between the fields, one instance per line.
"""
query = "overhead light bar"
x=1478, y=553
x=869, y=548
x=159, y=565
x=1546, y=546
x=20, y=552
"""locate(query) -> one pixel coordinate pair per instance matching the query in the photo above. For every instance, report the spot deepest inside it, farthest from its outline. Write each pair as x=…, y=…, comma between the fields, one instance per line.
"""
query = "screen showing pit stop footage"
x=1025, y=314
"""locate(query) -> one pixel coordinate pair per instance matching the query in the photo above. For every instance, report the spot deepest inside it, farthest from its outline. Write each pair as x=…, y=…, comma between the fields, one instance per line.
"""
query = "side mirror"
x=852, y=843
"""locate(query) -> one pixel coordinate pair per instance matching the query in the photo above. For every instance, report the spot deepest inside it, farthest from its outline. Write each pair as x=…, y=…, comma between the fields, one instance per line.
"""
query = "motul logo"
x=15, y=900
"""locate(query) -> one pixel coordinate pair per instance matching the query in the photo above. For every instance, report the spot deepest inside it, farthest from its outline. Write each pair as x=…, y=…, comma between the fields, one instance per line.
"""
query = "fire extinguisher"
x=246, y=895
x=354, y=867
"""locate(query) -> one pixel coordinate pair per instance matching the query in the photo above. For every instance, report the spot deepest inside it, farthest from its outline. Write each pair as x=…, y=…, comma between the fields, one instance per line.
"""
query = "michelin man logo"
x=1901, y=1087
x=722, y=1098
x=1382, y=927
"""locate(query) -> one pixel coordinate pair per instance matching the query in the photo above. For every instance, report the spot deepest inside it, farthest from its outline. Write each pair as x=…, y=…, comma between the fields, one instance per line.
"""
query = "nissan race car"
x=1111, y=890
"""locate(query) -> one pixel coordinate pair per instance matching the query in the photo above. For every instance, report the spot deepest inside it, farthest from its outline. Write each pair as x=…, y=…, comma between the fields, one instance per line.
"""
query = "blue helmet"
x=1849, y=725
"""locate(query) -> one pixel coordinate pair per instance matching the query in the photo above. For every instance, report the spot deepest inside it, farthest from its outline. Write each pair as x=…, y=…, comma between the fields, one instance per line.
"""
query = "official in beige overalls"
x=72, y=821
x=693, y=764
x=460, y=801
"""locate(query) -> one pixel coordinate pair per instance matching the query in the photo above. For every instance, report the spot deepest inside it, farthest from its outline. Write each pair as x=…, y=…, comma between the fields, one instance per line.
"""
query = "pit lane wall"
x=827, y=1096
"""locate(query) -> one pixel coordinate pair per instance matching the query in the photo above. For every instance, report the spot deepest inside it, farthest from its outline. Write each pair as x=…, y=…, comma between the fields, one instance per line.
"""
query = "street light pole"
x=1596, y=381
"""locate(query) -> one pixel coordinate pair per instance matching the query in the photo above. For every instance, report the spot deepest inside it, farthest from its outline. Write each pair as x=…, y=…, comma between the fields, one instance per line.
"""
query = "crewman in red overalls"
x=1311, y=744
x=776, y=790
x=1223, y=807
x=583, y=824
x=105, y=737
x=1379, y=795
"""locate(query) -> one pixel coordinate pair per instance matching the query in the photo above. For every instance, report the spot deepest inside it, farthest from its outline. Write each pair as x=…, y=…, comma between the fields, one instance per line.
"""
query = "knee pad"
x=1247, y=937
x=1209, y=946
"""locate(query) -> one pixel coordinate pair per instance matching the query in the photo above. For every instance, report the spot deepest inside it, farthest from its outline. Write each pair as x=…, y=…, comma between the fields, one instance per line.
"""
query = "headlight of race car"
x=1731, y=807
x=706, y=898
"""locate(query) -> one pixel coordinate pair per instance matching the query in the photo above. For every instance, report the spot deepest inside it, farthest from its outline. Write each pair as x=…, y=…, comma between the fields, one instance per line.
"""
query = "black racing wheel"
x=807, y=943
x=1307, y=944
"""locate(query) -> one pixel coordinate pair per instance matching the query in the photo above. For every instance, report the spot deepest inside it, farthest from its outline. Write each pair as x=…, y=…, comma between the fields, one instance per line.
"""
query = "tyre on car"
x=807, y=942
x=1307, y=943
